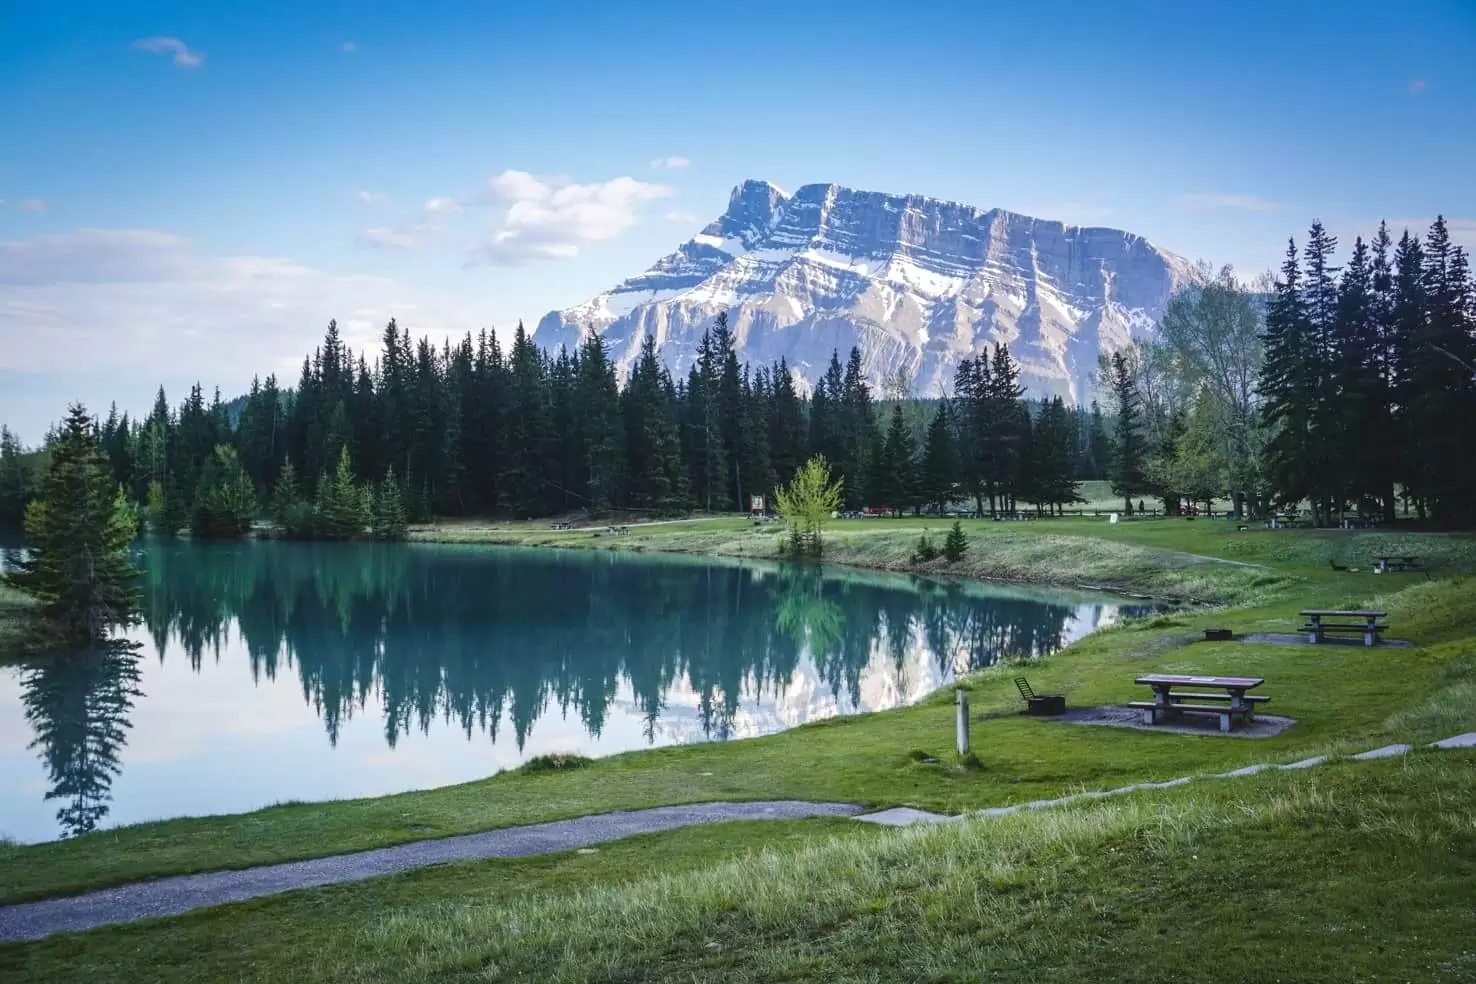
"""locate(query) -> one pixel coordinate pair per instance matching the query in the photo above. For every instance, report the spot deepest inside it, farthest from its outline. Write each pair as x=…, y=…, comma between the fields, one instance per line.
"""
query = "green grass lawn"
x=1264, y=872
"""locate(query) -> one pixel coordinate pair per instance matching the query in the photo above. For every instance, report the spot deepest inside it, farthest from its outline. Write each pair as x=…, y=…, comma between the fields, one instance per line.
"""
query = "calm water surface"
x=277, y=671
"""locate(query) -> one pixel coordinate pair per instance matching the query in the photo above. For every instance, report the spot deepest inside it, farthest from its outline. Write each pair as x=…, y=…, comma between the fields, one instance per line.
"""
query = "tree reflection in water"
x=77, y=704
x=498, y=638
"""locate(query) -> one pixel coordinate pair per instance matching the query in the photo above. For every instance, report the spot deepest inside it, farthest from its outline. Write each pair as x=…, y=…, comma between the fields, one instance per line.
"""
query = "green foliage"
x=957, y=543
x=79, y=531
x=15, y=480
x=340, y=510
x=388, y=510
x=1128, y=451
x=807, y=504
x=925, y=550
x=226, y=500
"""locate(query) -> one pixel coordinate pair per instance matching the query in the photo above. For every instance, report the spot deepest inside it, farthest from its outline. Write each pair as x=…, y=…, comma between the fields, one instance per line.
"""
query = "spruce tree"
x=389, y=521
x=225, y=502
x=939, y=473
x=896, y=482
x=1128, y=450
x=1289, y=387
x=78, y=532
x=15, y=482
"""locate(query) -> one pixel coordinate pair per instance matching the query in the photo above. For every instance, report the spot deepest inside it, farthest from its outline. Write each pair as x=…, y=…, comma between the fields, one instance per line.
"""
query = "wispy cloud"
x=679, y=216
x=385, y=238
x=31, y=205
x=441, y=206
x=673, y=163
x=1416, y=86
x=348, y=47
x=184, y=55
x=371, y=197
x=131, y=300
x=550, y=218
x=1219, y=202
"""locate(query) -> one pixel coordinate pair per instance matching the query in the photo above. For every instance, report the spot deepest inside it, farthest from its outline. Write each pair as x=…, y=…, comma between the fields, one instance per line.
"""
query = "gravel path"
x=173, y=896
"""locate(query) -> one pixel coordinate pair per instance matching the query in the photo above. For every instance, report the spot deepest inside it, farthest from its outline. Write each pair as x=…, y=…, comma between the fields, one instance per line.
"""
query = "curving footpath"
x=905, y=816
x=177, y=895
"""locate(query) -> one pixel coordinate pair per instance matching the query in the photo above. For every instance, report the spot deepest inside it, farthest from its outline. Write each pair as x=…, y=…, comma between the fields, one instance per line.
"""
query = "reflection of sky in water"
x=221, y=734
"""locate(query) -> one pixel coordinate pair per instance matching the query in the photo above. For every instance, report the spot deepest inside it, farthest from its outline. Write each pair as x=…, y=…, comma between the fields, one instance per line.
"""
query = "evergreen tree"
x=389, y=520
x=79, y=531
x=939, y=472
x=341, y=513
x=226, y=500
x=1289, y=386
x=895, y=482
x=956, y=544
x=1128, y=450
x=15, y=482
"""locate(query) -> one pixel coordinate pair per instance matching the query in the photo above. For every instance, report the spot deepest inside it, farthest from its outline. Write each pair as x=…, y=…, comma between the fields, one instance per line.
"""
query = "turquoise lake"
x=270, y=671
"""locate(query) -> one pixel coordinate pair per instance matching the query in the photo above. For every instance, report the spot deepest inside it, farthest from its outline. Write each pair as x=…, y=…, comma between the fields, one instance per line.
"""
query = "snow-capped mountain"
x=916, y=283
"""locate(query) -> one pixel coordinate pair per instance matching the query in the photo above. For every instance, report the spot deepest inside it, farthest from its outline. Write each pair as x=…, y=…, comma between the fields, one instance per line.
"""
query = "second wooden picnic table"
x=1166, y=702
x=1317, y=629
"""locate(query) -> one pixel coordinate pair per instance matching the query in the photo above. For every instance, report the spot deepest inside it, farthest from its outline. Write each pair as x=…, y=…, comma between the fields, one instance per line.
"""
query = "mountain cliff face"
x=916, y=283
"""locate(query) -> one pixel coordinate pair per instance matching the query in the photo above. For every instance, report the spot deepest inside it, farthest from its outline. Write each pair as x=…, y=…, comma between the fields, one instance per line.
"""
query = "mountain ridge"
x=916, y=283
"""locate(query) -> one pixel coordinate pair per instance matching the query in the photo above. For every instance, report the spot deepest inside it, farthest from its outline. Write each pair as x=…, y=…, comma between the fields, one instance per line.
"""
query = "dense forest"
x=466, y=430
x=1347, y=389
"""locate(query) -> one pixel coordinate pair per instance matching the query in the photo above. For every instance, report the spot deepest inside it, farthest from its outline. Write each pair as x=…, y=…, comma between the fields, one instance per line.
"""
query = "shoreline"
x=905, y=756
x=841, y=551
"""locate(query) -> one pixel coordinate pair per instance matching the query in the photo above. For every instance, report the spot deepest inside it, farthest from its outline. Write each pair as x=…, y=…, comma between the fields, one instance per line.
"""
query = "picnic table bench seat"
x=1370, y=627
x=1248, y=698
x=1228, y=716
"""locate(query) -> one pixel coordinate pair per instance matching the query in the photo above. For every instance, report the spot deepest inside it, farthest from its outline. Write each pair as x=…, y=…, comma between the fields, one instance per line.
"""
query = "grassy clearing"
x=1355, y=871
x=1343, y=699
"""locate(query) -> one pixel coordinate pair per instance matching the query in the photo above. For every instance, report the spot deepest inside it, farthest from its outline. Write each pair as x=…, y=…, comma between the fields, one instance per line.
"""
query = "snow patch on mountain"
x=917, y=284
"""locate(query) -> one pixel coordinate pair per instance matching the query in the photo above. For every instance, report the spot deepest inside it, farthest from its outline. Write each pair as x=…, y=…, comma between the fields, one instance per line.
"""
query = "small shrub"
x=925, y=550
x=956, y=545
x=557, y=762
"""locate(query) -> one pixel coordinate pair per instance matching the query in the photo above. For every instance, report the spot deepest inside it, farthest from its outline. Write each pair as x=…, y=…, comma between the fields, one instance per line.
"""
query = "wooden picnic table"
x=1317, y=629
x=1232, y=705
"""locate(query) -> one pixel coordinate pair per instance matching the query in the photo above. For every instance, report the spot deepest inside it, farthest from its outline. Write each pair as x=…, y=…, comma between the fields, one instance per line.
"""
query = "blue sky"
x=191, y=190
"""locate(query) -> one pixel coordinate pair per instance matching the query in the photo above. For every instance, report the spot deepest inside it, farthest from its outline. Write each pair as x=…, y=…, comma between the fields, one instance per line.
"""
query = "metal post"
x=961, y=703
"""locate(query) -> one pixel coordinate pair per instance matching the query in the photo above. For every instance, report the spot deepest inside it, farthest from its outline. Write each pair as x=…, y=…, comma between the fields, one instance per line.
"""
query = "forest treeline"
x=465, y=429
x=1348, y=389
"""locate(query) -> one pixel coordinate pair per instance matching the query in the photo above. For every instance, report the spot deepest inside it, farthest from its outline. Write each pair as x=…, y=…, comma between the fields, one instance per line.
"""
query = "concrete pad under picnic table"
x=1300, y=639
x=1261, y=726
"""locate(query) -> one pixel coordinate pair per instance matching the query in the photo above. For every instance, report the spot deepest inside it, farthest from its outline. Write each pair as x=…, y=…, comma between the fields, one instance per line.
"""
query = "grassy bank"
x=1352, y=872
x=1307, y=851
x=1199, y=560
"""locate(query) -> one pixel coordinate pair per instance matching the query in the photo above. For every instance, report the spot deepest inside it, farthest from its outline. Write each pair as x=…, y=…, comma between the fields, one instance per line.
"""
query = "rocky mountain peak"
x=916, y=283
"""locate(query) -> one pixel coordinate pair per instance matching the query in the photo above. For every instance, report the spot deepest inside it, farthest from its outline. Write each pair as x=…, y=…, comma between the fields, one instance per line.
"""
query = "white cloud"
x=31, y=205
x=679, y=216
x=372, y=197
x=441, y=206
x=673, y=163
x=1218, y=202
x=137, y=300
x=184, y=55
x=389, y=238
x=348, y=47
x=550, y=218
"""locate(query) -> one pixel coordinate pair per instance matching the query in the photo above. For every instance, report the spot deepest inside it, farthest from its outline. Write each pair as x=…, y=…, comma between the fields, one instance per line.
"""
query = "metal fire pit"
x=1050, y=705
